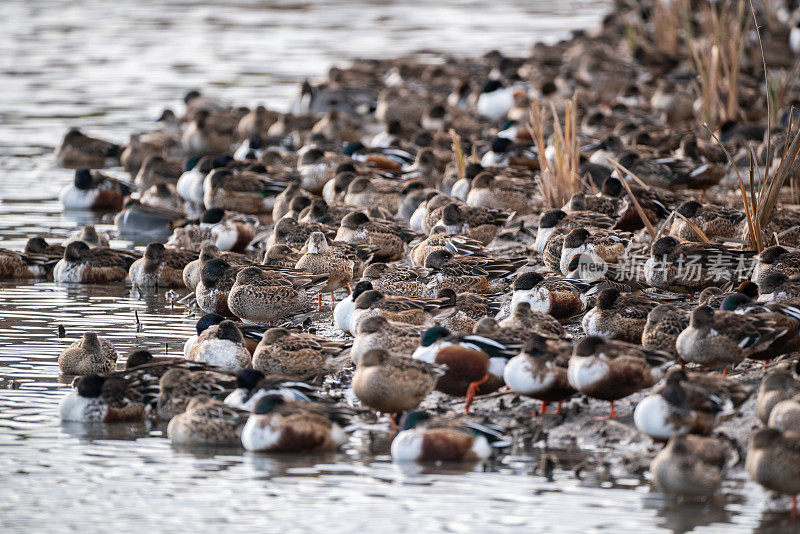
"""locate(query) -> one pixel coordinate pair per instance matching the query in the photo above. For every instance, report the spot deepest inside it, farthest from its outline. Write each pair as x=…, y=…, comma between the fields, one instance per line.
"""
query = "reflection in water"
x=90, y=432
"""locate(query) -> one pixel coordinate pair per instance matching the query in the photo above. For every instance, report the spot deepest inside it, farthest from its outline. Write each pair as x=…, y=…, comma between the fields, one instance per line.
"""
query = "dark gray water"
x=110, y=67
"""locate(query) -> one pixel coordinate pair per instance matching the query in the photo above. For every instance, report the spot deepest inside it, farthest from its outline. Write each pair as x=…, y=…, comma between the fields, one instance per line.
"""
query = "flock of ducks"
x=447, y=273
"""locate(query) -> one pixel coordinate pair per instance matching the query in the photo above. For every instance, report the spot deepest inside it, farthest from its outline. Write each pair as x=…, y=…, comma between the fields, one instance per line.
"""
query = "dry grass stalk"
x=459, y=154
x=639, y=210
x=667, y=22
x=733, y=46
x=559, y=181
x=694, y=227
x=706, y=59
x=749, y=204
x=717, y=58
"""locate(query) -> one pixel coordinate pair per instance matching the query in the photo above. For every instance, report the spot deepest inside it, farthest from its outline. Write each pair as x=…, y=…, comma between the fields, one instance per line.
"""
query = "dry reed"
x=560, y=180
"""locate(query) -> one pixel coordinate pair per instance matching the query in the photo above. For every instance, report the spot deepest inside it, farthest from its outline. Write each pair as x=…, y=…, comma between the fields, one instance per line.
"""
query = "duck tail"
x=316, y=284
x=494, y=436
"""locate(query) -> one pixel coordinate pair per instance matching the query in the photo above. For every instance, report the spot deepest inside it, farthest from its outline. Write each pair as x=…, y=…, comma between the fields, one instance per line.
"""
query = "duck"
x=336, y=188
x=280, y=425
x=193, y=270
x=343, y=311
x=204, y=135
x=783, y=225
x=142, y=145
x=540, y=372
x=461, y=185
x=777, y=386
x=786, y=415
x=605, y=247
x=504, y=151
x=320, y=211
x=397, y=279
x=15, y=264
x=398, y=308
x=444, y=241
x=398, y=104
x=672, y=173
x=725, y=338
x=414, y=204
x=256, y=121
x=251, y=148
x=207, y=422
x=281, y=255
x=157, y=170
x=163, y=195
x=321, y=259
x=609, y=146
x=160, y=267
x=664, y=324
x=558, y=297
x=525, y=319
x=316, y=169
x=776, y=258
x=92, y=190
x=714, y=296
x=196, y=102
x=217, y=277
x=221, y=345
x=468, y=309
x=80, y=151
x=690, y=466
x=779, y=314
x=89, y=355
x=495, y=100
x=478, y=223
x=713, y=221
x=367, y=191
x=618, y=316
x=688, y=403
x=259, y=296
x=425, y=438
x=180, y=384
x=473, y=274
x=246, y=192
x=195, y=169
x=89, y=235
x=378, y=332
x=94, y=398
x=84, y=265
x=38, y=246
x=290, y=231
x=560, y=221
x=252, y=385
x=691, y=267
x=773, y=460
x=611, y=370
x=387, y=239
x=296, y=355
x=225, y=230
x=392, y=384
x=474, y=362
x=426, y=217
x=252, y=333
x=137, y=219
x=284, y=201
x=142, y=361
x=509, y=194
x=777, y=287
